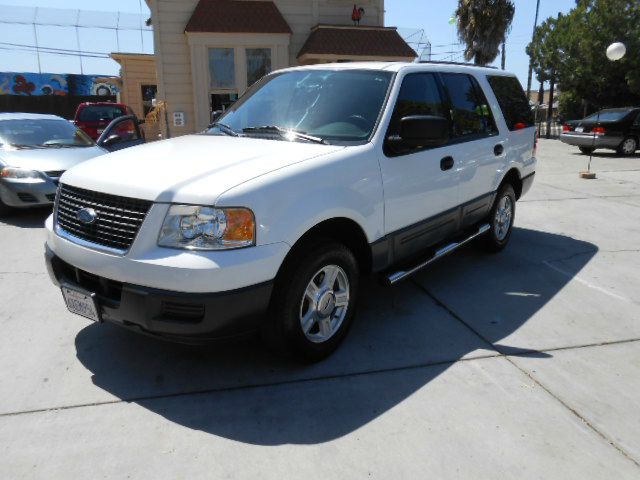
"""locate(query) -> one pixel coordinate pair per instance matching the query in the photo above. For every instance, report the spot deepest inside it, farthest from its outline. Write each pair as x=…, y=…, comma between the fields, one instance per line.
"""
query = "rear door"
x=476, y=146
x=420, y=186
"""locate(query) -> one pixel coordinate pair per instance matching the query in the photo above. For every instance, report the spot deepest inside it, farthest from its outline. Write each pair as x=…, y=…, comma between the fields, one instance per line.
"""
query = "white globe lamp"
x=616, y=51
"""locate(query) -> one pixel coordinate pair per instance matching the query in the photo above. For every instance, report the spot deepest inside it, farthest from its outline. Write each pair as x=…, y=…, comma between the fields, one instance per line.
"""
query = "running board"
x=398, y=276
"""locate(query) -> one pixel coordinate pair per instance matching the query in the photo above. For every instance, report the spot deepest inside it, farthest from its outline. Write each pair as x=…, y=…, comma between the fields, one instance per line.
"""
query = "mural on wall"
x=34, y=84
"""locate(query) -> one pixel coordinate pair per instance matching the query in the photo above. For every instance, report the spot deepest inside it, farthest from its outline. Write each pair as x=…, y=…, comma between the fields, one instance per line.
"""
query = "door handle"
x=446, y=163
x=498, y=149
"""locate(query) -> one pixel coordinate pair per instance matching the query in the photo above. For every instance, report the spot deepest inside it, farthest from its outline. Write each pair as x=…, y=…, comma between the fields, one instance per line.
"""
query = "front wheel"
x=4, y=209
x=501, y=219
x=313, y=302
x=628, y=146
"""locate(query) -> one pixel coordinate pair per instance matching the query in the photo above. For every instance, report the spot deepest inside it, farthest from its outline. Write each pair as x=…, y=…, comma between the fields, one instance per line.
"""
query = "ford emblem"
x=88, y=216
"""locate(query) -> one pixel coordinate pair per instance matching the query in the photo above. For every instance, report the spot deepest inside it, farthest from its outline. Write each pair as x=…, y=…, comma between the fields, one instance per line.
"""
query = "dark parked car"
x=614, y=128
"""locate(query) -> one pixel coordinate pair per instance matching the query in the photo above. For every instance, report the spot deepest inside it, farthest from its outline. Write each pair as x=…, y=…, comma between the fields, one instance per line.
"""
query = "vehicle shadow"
x=402, y=339
x=31, y=218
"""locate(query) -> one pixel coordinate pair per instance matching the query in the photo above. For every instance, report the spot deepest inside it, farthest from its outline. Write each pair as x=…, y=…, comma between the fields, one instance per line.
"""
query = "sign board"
x=178, y=119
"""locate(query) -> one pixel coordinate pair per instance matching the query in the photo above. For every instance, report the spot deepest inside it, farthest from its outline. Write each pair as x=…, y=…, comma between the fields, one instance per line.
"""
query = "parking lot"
x=524, y=364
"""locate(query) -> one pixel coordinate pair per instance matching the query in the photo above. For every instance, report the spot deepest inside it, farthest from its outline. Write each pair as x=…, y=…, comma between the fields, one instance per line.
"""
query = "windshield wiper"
x=283, y=132
x=226, y=129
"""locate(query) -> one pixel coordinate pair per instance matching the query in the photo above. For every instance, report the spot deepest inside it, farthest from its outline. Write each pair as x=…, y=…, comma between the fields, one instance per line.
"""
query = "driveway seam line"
x=535, y=380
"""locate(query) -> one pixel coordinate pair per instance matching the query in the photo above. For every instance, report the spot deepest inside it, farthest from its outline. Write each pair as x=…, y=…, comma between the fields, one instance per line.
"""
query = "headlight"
x=20, y=174
x=207, y=228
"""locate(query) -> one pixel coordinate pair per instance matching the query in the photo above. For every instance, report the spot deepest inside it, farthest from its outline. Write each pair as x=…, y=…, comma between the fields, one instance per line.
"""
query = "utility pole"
x=504, y=56
x=535, y=24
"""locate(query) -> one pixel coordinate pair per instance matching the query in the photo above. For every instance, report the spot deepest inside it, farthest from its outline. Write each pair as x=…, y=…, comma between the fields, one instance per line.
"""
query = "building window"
x=148, y=95
x=222, y=70
x=258, y=64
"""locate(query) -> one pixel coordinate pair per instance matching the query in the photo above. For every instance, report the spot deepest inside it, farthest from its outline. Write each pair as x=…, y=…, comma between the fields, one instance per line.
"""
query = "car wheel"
x=628, y=146
x=501, y=219
x=587, y=150
x=313, y=302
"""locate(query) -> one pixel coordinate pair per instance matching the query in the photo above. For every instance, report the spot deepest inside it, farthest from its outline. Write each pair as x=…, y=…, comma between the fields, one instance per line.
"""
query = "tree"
x=575, y=51
x=483, y=26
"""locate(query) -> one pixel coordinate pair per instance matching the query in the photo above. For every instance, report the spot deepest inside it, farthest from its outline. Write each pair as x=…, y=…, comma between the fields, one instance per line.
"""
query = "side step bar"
x=398, y=276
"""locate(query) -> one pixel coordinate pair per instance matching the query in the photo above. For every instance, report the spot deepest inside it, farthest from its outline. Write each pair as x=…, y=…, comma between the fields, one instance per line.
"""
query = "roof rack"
x=442, y=62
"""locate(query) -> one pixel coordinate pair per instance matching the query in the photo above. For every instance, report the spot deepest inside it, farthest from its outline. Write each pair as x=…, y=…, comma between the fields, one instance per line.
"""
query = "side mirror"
x=424, y=131
x=111, y=140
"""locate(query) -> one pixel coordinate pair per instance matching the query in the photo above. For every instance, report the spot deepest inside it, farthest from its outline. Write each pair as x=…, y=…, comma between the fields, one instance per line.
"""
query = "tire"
x=628, y=146
x=587, y=150
x=294, y=299
x=503, y=210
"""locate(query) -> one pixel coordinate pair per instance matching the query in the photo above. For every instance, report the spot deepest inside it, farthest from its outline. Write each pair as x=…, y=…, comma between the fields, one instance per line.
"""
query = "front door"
x=420, y=184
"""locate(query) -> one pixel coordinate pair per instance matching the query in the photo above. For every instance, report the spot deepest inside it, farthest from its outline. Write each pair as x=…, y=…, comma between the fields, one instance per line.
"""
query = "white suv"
x=264, y=222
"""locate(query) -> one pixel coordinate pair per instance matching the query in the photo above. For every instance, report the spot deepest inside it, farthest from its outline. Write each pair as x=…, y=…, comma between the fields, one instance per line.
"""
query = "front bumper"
x=19, y=194
x=587, y=140
x=177, y=316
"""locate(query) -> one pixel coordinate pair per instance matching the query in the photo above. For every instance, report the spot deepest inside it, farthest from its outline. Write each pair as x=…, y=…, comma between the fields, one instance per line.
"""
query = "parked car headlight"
x=16, y=173
x=207, y=228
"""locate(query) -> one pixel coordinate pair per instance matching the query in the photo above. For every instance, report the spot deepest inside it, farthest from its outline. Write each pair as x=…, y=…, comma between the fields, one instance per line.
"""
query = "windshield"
x=97, y=113
x=42, y=133
x=608, y=116
x=332, y=105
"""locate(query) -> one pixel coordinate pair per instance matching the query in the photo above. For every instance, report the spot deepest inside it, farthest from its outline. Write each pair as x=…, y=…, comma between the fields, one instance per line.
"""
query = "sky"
x=431, y=15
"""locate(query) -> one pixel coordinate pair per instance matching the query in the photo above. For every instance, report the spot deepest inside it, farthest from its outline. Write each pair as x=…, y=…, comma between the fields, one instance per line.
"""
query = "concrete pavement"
x=524, y=364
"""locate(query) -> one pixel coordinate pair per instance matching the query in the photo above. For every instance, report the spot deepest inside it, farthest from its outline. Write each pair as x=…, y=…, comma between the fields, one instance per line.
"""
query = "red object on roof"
x=356, y=42
x=232, y=16
x=356, y=16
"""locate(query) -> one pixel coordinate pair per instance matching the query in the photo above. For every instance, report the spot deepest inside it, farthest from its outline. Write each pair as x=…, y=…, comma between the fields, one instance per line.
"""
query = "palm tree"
x=483, y=26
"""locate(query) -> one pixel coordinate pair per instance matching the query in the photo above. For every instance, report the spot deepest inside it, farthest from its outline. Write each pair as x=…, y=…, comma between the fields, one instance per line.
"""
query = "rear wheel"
x=628, y=146
x=313, y=302
x=501, y=219
x=587, y=150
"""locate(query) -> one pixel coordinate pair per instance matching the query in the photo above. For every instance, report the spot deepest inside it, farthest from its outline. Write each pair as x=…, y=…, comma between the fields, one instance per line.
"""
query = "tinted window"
x=419, y=95
x=96, y=113
x=512, y=100
x=470, y=111
x=608, y=115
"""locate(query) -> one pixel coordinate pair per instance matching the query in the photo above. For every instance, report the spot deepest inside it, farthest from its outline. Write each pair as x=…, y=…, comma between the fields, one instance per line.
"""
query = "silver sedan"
x=34, y=152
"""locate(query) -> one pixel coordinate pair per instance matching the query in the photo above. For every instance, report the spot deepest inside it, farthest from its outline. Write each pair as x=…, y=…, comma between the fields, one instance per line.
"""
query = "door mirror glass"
x=424, y=131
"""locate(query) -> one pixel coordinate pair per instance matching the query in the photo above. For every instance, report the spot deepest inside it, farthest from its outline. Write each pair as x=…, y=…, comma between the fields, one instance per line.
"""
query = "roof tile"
x=232, y=16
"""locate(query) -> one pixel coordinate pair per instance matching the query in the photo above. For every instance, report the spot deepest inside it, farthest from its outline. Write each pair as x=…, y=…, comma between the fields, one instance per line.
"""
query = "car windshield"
x=328, y=105
x=42, y=133
x=608, y=116
x=96, y=113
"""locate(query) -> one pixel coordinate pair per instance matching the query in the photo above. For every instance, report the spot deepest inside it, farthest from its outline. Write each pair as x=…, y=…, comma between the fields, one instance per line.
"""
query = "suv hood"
x=48, y=159
x=193, y=169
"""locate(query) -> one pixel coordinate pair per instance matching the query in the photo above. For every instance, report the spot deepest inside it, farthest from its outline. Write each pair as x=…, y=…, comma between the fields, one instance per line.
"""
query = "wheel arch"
x=513, y=177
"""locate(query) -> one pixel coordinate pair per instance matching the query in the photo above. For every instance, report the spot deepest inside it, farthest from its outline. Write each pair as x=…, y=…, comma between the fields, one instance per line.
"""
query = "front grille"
x=118, y=218
x=185, y=312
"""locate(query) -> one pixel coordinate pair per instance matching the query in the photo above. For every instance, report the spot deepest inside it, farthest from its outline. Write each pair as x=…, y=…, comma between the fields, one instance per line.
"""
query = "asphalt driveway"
x=524, y=364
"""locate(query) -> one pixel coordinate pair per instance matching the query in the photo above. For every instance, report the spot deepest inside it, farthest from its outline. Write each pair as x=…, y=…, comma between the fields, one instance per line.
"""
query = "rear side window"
x=513, y=101
x=470, y=110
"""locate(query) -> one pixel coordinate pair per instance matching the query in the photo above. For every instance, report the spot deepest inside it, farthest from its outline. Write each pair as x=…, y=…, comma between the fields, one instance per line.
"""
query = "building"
x=208, y=52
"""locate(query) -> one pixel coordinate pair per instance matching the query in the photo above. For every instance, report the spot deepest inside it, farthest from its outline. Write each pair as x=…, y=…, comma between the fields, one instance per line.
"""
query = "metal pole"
x=535, y=25
x=35, y=35
x=141, y=31
x=78, y=41
x=118, y=32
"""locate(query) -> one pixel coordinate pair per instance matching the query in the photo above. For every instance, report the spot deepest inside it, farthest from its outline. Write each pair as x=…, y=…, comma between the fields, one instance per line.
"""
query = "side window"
x=512, y=100
x=419, y=95
x=470, y=111
x=637, y=120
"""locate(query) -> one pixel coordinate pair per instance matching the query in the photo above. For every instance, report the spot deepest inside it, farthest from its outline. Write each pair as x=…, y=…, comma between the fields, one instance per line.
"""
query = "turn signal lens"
x=241, y=225
x=566, y=128
x=598, y=131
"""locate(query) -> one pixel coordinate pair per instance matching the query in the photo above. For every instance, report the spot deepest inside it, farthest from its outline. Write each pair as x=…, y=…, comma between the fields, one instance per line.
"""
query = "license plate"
x=579, y=129
x=81, y=302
